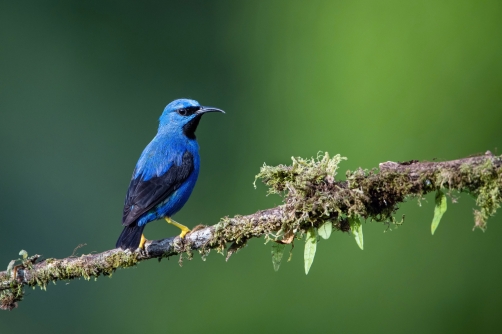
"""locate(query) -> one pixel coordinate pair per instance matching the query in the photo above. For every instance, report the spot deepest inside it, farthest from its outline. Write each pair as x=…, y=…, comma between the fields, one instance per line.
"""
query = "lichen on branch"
x=312, y=197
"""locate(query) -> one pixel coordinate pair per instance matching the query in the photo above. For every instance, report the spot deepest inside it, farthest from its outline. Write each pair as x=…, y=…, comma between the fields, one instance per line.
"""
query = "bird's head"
x=184, y=115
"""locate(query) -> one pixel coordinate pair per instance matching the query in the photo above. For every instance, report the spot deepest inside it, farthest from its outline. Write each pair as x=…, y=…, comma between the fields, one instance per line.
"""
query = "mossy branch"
x=312, y=197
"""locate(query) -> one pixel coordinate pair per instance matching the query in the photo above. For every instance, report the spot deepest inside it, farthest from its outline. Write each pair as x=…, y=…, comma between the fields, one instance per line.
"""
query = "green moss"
x=484, y=182
x=300, y=175
x=10, y=298
x=227, y=230
x=307, y=188
x=310, y=192
x=68, y=269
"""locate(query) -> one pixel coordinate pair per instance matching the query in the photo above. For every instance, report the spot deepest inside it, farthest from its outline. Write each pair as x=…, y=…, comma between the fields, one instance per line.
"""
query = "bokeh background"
x=82, y=85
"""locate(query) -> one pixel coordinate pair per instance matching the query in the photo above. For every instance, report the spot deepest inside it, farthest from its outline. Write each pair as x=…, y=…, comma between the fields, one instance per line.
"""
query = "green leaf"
x=358, y=234
x=10, y=266
x=439, y=210
x=23, y=253
x=310, y=248
x=277, y=253
x=325, y=230
x=357, y=230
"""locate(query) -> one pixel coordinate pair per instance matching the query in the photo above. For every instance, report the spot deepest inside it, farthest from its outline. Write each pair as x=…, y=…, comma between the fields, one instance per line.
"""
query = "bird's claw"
x=142, y=252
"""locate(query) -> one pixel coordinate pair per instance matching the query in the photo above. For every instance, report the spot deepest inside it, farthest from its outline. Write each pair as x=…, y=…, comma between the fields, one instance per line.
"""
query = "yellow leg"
x=183, y=228
x=142, y=242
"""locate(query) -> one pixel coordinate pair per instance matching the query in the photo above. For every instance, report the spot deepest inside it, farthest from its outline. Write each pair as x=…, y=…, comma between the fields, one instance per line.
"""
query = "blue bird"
x=165, y=173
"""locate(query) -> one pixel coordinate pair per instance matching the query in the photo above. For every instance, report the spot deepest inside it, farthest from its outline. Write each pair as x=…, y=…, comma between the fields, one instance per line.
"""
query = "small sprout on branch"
x=439, y=210
x=23, y=253
x=10, y=266
x=277, y=254
x=310, y=248
x=357, y=230
x=325, y=230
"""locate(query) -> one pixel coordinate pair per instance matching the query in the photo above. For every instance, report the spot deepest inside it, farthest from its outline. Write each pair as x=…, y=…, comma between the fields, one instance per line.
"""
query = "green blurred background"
x=83, y=84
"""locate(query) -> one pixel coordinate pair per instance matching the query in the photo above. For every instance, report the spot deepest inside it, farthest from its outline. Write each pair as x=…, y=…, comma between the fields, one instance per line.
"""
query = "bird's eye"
x=182, y=112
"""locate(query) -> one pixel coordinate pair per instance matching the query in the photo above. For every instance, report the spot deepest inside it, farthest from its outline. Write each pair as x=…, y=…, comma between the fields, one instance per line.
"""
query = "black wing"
x=144, y=195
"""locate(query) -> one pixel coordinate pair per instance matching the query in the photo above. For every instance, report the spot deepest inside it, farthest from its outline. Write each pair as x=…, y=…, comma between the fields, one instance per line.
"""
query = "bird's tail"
x=130, y=237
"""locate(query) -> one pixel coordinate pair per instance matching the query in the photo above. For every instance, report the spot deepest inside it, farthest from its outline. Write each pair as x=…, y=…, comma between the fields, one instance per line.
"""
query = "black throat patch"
x=190, y=127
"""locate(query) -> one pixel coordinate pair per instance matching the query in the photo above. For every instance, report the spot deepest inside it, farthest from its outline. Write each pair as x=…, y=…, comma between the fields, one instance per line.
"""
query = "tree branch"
x=311, y=197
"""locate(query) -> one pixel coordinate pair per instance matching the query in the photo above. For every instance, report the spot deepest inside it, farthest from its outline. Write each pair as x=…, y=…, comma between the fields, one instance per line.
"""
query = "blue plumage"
x=166, y=171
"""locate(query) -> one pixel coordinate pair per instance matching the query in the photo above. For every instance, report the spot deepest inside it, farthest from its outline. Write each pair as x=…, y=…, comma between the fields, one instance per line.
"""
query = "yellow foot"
x=142, y=242
x=183, y=228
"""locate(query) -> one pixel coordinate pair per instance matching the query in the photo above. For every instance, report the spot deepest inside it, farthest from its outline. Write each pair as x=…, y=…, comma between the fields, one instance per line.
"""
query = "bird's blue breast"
x=165, y=151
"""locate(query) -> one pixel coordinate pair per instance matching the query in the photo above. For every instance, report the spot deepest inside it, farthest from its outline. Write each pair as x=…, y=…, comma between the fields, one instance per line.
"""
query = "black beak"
x=204, y=110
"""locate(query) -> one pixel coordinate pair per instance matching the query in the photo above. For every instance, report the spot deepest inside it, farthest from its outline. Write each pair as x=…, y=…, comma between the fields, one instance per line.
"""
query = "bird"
x=165, y=173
